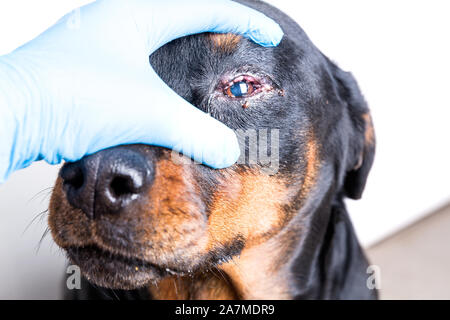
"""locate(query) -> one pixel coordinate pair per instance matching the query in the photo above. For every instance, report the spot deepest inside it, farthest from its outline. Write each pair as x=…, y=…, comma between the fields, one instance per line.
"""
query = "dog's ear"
x=362, y=137
x=343, y=262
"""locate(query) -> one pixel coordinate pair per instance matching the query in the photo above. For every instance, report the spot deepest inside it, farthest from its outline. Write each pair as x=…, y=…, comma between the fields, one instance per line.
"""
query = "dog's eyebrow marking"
x=225, y=42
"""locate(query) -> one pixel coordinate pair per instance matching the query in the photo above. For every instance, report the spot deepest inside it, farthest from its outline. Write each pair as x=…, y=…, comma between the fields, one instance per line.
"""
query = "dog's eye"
x=242, y=87
x=247, y=86
x=240, y=90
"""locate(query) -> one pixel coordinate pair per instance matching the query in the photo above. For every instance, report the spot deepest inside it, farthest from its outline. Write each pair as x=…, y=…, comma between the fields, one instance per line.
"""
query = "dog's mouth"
x=115, y=271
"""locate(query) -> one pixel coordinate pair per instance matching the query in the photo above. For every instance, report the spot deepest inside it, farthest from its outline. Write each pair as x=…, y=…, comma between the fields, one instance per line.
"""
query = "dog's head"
x=135, y=214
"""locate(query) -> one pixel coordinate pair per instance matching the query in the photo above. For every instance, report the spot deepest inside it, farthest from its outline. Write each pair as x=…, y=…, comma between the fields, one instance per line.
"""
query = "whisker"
x=115, y=295
x=46, y=232
x=101, y=291
x=175, y=284
x=40, y=193
x=213, y=271
x=232, y=261
x=39, y=215
x=225, y=278
x=46, y=197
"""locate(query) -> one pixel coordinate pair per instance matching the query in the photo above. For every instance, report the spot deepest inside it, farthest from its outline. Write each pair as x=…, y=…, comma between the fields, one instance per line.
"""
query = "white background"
x=399, y=52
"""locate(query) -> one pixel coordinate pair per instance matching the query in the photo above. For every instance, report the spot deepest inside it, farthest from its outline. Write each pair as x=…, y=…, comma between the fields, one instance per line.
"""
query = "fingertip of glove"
x=269, y=36
x=231, y=156
x=227, y=152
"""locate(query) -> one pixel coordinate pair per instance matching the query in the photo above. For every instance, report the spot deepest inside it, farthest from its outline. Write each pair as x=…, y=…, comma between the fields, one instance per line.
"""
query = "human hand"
x=77, y=89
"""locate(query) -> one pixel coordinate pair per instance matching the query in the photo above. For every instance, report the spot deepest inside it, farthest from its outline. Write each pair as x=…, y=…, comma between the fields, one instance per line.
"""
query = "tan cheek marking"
x=175, y=208
x=170, y=288
x=260, y=271
x=171, y=182
x=312, y=166
x=201, y=287
x=174, y=193
x=215, y=288
x=225, y=42
x=256, y=273
x=249, y=206
x=252, y=205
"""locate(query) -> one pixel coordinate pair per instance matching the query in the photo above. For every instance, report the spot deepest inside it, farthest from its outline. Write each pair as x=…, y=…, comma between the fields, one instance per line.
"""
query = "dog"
x=139, y=221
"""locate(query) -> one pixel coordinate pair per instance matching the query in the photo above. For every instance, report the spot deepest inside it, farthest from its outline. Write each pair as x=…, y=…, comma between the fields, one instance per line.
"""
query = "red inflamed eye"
x=243, y=87
x=240, y=90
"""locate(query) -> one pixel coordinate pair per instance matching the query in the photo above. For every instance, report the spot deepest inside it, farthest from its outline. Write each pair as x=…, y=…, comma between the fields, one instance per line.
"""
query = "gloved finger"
x=190, y=17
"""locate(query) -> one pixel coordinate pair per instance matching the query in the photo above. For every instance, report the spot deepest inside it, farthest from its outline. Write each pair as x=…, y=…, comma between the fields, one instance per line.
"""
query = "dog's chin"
x=114, y=271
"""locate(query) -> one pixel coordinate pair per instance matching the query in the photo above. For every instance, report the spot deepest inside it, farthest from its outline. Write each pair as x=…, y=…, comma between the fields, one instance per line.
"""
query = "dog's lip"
x=97, y=255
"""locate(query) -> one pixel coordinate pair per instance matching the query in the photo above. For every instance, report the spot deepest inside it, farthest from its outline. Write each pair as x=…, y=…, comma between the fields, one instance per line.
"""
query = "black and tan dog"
x=133, y=218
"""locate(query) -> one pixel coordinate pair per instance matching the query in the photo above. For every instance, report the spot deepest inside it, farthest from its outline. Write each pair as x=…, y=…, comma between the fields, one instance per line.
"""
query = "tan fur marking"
x=256, y=273
x=174, y=204
x=171, y=181
x=174, y=220
x=370, y=132
x=260, y=271
x=200, y=287
x=170, y=289
x=249, y=206
x=226, y=42
x=312, y=167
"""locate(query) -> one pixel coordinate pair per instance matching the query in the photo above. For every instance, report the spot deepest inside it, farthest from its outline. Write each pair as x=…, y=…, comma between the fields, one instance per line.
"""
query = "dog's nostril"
x=72, y=176
x=125, y=185
x=77, y=184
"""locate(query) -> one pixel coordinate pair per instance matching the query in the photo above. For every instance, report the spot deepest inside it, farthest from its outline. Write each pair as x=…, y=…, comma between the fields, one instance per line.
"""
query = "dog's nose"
x=107, y=182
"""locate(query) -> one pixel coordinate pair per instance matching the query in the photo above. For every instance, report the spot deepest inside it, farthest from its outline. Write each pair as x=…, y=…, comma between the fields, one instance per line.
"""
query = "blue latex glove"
x=86, y=84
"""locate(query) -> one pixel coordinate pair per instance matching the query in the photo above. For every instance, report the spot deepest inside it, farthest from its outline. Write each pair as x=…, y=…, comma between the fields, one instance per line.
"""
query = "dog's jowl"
x=137, y=220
